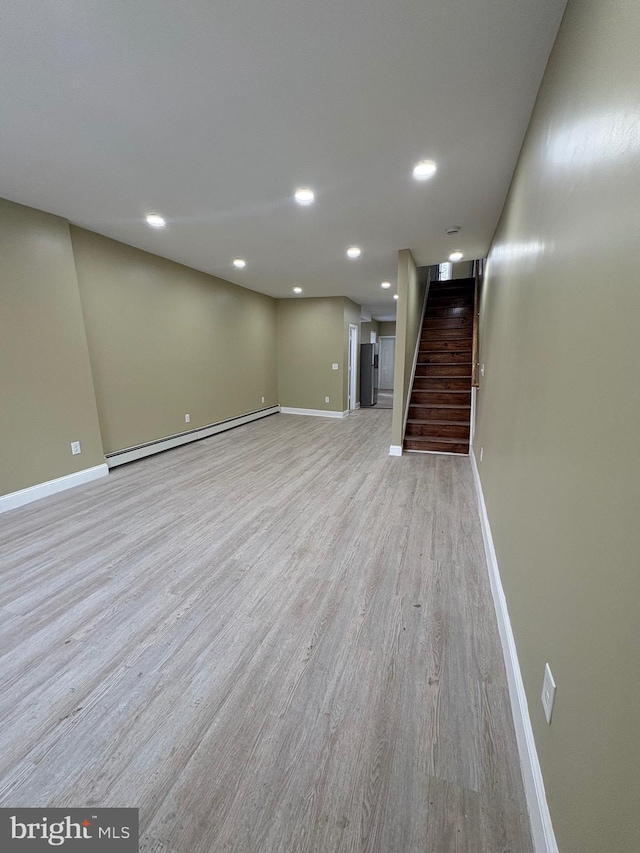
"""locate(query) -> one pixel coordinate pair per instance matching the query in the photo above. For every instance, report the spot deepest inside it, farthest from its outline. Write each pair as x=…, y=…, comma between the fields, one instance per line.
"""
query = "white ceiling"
x=212, y=113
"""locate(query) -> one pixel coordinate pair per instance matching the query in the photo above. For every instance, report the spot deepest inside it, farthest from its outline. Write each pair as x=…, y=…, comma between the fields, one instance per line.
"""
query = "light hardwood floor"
x=276, y=639
x=385, y=399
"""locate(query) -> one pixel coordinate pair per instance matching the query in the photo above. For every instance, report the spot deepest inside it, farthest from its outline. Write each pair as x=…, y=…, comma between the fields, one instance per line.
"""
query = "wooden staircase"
x=440, y=406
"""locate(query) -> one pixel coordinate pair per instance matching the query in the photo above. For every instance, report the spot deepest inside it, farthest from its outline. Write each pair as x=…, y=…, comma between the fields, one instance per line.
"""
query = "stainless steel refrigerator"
x=368, y=374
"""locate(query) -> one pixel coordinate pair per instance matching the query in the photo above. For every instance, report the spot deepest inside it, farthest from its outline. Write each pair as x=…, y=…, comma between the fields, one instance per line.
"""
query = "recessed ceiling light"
x=354, y=251
x=456, y=256
x=386, y=285
x=395, y=295
x=239, y=263
x=424, y=169
x=155, y=220
x=304, y=195
x=297, y=290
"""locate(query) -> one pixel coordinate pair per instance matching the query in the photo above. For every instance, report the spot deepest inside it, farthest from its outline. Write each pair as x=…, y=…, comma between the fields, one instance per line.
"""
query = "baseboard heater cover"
x=130, y=454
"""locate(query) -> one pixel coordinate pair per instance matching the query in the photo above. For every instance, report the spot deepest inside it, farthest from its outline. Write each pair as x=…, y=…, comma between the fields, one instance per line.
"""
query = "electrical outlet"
x=481, y=453
x=482, y=370
x=326, y=399
x=548, y=692
x=334, y=367
x=75, y=448
x=187, y=419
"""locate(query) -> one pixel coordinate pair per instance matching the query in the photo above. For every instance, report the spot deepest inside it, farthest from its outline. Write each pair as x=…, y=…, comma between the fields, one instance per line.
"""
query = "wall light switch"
x=263, y=399
x=326, y=399
x=334, y=367
x=481, y=453
x=548, y=692
x=187, y=419
x=75, y=448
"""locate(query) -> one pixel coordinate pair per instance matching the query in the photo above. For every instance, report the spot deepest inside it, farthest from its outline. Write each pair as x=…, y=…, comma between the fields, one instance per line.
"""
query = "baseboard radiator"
x=129, y=454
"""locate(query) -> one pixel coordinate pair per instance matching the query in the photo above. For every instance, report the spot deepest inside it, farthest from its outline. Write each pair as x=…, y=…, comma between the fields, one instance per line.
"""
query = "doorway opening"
x=387, y=362
x=387, y=367
x=353, y=367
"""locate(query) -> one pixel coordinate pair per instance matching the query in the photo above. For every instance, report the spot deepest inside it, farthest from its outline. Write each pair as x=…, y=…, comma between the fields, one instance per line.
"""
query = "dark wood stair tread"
x=446, y=373
x=443, y=390
x=435, y=430
x=436, y=398
x=433, y=421
x=444, y=439
x=444, y=357
x=441, y=405
x=453, y=282
x=457, y=343
x=437, y=445
x=442, y=383
x=459, y=414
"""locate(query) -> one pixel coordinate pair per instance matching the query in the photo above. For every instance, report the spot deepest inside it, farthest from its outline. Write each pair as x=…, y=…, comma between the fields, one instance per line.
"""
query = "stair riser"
x=456, y=344
x=454, y=290
x=436, y=413
x=445, y=305
x=439, y=430
x=444, y=398
x=457, y=302
x=450, y=302
x=440, y=370
x=444, y=323
x=444, y=383
x=451, y=282
x=460, y=357
x=449, y=313
x=445, y=334
x=436, y=446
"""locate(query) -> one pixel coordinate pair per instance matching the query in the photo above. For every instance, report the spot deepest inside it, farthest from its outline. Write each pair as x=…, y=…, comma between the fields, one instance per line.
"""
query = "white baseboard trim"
x=319, y=413
x=472, y=419
x=130, y=454
x=544, y=840
x=395, y=450
x=51, y=487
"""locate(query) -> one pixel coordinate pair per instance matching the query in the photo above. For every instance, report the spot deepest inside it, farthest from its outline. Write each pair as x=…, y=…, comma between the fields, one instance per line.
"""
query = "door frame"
x=352, y=373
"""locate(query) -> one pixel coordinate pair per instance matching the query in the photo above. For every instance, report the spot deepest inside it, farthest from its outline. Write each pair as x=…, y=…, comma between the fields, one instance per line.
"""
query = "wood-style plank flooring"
x=276, y=639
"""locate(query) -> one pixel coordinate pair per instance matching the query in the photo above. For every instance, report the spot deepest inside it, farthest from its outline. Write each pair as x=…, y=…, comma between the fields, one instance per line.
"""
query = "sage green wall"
x=310, y=335
x=463, y=269
x=45, y=378
x=559, y=421
x=166, y=340
x=387, y=329
x=366, y=329
x=411, y=291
